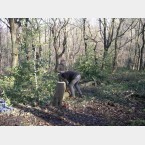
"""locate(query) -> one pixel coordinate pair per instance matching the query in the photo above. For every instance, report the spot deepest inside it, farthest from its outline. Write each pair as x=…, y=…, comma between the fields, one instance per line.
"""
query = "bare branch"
x=101, y=32
x=64, y=25
x=111, y=32
x=127, y=29
x=5, y=23
x=93, y=39
x=127, y=41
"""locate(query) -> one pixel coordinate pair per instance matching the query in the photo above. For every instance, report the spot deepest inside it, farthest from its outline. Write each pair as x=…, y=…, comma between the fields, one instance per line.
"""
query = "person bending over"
x=71, y=79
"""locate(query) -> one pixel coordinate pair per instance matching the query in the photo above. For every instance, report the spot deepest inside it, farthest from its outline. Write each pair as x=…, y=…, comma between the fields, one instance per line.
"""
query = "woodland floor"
x=77, y=112
x=127, y=109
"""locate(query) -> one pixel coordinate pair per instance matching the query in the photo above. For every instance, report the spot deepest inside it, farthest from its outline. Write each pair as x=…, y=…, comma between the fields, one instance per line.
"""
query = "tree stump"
x=59, y=93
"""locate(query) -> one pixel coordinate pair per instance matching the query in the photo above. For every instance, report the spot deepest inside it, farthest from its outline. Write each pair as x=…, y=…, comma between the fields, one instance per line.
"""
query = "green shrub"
x=91, y=69
x=137, y=122
x=20, y=87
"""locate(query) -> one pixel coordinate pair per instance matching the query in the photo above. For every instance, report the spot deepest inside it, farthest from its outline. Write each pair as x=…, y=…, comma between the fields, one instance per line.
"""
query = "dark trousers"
x=75, y=83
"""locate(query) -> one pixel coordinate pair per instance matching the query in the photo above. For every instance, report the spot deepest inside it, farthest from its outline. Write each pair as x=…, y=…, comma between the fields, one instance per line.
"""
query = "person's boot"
x=71, y=96
x=81, y=95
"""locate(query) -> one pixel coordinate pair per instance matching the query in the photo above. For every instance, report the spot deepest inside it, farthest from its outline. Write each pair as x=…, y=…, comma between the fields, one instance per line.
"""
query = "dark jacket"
x=69, y=75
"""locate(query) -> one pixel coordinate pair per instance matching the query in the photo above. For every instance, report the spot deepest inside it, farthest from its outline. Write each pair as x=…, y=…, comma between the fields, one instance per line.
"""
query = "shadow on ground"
x=65, y=117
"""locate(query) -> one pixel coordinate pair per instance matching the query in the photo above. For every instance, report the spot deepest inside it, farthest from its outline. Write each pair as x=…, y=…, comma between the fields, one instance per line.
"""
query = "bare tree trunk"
x=130, y=64
x=56, y=61
x=49, y=48
x=105, y=44
x=7, y=45
x=115, y=57
x=138, y=65
x=40, y=47
x=84, y=37
x=119, y=34
x=27, y=47
x=0, y=50
x=107, y=35
x=136, y=52
x=13, y=30
x=116, y=46
x=141, y=66
x=135, y=59
x=104, y=58
x=45, y=40
x=56, y=32
x=35, y=68
x=56, y=54
x=95, y=54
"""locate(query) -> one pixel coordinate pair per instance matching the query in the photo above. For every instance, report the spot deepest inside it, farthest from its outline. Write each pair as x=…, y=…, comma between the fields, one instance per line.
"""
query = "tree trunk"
x=56, y=61
x=106, y=38
x=35, y=68
x=1, y=51
x=115, y=57
x=105, y=45
x=59, y=93
x=141, y=66
x=134, y=59
x=136, y=52
x=13, y=31
x=95, y=54
x=116, y=46
x=49, y=48
x=84, y=36
x=104, y=58
x=45, y=47
x=27, y=47
x=40, y=47
x=9, y=51
x=138, y=60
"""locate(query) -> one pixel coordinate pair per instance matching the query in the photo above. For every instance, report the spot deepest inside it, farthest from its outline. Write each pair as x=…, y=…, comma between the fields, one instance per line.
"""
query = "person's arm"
x=62, y=79
x=67, y=83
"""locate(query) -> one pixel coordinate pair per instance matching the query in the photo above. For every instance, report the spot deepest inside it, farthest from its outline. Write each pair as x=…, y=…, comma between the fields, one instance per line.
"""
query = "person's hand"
x=67, y=83
x=67, y=89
